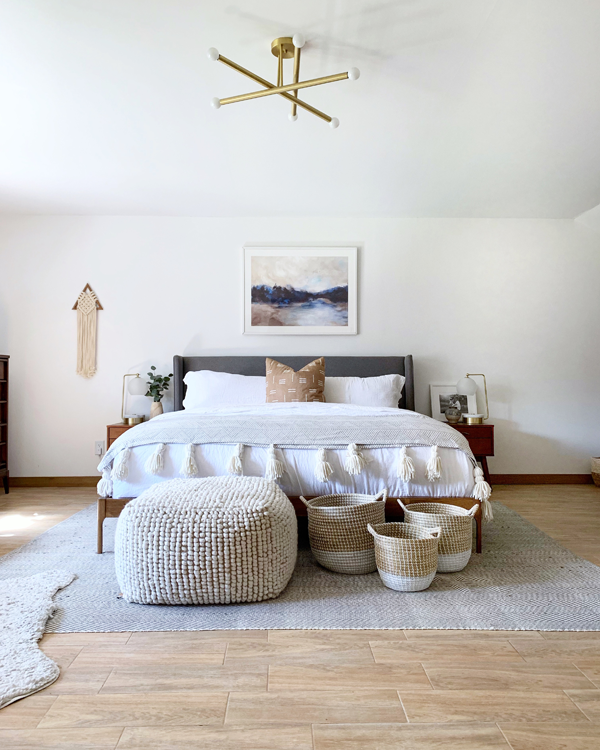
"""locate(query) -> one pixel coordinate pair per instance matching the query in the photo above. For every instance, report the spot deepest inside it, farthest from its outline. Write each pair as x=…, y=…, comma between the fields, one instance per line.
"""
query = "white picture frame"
x=441, y=399
x=267, y=269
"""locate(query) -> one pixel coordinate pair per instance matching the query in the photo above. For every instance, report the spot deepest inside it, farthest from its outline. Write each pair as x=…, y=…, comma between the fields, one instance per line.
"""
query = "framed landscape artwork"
x=300, y=290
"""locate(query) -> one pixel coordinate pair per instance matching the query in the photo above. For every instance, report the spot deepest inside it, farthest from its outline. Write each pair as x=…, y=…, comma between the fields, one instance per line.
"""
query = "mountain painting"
x=303, y=290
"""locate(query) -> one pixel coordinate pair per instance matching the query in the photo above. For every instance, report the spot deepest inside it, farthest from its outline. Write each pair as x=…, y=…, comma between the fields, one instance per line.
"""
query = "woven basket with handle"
x=456, y=537
x=406, y=555
x=337, y=529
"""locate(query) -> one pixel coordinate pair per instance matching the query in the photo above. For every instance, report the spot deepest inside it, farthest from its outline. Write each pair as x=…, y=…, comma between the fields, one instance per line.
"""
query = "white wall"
x=516, y=299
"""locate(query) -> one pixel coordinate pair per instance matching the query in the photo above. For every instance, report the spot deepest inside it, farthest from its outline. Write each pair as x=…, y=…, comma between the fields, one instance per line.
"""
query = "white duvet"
x=299, y=477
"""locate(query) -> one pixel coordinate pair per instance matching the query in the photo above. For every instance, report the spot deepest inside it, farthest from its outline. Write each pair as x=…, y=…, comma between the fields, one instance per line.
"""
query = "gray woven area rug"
x=523, y=581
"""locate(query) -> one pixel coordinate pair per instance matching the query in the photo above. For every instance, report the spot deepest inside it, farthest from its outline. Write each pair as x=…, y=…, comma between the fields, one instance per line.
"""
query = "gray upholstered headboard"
x=361, y=367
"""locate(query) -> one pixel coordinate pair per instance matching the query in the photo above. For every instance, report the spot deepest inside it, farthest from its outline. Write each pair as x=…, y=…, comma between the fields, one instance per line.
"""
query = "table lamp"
x=468, y=387
x=136, y=387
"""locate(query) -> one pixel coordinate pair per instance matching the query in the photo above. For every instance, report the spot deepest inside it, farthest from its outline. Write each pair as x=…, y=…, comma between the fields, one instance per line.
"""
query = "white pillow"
x=384, y=390
x=206, y=388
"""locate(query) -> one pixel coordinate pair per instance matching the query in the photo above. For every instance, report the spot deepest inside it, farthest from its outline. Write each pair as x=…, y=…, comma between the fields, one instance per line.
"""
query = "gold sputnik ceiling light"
x=284, y=48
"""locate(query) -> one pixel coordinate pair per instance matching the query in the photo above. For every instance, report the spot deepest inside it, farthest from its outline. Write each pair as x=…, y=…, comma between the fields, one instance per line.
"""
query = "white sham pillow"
x=206, y=388
x=384, y=390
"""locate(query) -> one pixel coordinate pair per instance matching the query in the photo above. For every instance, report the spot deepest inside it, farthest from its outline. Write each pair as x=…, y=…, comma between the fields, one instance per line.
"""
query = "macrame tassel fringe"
x=406, y=467
x=355, y=461
x=323, y=468
x=189, y=467
x=482, y=492
x=275, y=468
x=154, y=465
x=105, y=487
x=86, y=334
x=434, y=465
x=234, y=465
x=121, y=465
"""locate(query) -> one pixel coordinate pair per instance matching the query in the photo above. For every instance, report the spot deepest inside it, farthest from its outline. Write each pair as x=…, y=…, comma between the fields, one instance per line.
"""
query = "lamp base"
x=133, y=420
x=473, y=418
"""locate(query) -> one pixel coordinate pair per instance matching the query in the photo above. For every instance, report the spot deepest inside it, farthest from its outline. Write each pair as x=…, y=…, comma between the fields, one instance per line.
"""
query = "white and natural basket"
x=406, y=555
x=456, y=537
x=596, y=471
x=337, y=529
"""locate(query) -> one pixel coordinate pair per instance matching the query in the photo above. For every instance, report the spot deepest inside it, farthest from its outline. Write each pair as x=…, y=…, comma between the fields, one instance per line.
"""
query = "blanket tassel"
x=154, y=465
x=189, y=467
x=104, y=487
x=121, y=465
x=406, y=467
x=482, y=492
x=234, y=465
x=434, y=465
x=355, y=461
x=274, y=469
x=323, y=468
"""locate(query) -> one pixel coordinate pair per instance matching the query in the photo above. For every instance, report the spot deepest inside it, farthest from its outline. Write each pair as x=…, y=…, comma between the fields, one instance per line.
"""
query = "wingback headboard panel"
x=361, y=367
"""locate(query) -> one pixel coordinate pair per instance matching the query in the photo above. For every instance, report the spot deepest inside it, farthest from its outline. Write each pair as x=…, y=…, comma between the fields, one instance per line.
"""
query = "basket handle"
x=371, y=530
x=472, y=511
x=435, y=533
x=381, y=495
x=305, y=501
x=401, y=504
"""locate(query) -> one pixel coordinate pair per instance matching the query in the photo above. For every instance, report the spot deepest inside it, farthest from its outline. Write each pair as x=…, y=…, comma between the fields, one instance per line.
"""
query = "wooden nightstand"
x=113, y=431
x=481, y=440
x=108, y=507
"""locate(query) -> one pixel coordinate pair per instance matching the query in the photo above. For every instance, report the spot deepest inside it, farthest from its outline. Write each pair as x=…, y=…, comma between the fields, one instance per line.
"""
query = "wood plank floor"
x=317, y=690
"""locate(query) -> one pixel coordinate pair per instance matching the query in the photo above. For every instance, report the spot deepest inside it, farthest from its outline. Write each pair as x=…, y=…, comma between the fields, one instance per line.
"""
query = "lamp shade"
x=137, y=386
x=466, y=387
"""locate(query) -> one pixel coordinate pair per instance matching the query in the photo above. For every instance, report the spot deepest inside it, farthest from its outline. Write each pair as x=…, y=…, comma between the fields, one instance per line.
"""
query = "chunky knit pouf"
x=206, y=541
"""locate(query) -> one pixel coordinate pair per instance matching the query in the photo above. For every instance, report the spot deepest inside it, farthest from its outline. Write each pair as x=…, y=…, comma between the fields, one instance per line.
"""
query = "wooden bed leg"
x=478, y=523
x=101, y=517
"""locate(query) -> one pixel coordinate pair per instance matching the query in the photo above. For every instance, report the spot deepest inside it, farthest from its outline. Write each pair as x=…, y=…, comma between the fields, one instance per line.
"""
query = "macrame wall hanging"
x=87, y=306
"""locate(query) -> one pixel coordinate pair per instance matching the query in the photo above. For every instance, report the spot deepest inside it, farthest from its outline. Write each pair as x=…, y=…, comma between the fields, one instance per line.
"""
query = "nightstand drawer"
x=113, y=431
x=482, y=446
x=477, y=431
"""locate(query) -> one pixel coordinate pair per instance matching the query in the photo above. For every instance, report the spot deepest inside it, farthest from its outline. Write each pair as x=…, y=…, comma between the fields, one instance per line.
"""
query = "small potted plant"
x=157, y=385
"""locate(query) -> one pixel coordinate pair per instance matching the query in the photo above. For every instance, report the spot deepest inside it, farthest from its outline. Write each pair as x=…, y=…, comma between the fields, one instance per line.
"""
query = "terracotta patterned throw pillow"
x=284, y=385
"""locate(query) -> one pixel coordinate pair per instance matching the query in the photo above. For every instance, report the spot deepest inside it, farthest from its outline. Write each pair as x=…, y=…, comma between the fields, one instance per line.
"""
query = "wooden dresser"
x=4, y=472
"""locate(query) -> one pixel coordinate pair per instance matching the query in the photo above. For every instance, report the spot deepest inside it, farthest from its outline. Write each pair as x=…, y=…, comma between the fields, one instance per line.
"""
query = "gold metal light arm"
x=280, y=68
x=487, y=406
x=268, y=85
x=296, y=76
x=285, y=89
x=128, y=375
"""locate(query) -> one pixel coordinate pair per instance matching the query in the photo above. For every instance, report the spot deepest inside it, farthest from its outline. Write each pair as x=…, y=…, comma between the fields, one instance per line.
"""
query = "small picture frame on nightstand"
x=445, y=396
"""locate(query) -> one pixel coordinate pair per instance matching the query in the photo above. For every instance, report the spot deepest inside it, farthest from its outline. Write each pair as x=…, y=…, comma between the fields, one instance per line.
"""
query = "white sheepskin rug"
x=25, y=606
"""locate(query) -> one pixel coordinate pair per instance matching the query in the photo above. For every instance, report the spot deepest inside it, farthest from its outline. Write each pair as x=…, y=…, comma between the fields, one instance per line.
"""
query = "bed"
x=198, y=433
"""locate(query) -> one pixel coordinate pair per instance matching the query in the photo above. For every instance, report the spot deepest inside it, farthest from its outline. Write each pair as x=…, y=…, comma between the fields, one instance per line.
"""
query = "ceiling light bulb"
x=216, y=102
x=334, y=123
x=354, y=74
x=298, y=40
x=292, y=117
x=213, y=54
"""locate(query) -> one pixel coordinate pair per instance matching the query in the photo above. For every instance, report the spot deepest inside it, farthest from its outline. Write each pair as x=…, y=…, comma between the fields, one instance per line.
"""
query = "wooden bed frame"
x=362, y=367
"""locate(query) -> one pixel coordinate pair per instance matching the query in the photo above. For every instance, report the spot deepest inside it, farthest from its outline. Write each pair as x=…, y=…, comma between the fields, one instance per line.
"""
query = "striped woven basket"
x=337, y=529
x=406, y=555
x=456, y=537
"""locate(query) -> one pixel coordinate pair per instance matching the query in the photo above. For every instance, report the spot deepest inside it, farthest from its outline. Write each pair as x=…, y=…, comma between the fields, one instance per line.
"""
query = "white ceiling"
x=465, y=108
